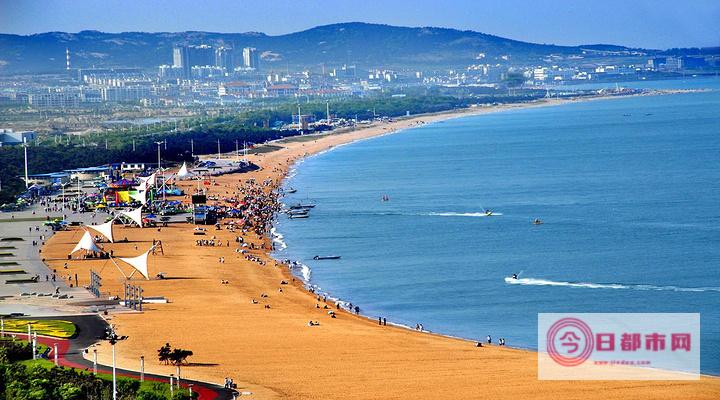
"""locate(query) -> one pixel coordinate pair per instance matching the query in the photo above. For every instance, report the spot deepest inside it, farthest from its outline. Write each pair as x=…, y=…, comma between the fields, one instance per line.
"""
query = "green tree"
x=68, y=391
x=127, y=388
x=164, y=353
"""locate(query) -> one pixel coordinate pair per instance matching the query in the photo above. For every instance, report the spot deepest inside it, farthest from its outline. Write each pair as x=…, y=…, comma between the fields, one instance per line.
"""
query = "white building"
x=8, y=136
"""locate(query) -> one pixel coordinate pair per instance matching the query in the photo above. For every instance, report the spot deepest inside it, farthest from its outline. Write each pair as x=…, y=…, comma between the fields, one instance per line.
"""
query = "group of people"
x=229, y=384
x=501, y=341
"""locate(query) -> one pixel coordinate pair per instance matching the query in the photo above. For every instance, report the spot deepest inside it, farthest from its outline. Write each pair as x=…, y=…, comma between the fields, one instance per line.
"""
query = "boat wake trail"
x=589, y=285
x=454, y=214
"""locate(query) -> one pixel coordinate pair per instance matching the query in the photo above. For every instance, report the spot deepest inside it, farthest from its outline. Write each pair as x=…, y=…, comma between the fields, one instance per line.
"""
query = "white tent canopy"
x=140, y=263
x=135, y=215
x=86, y=243
x=183, y=172
x=104, y=229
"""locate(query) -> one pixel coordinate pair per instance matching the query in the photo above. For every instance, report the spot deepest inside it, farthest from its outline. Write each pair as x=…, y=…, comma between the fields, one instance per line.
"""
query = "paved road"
x=28, y=256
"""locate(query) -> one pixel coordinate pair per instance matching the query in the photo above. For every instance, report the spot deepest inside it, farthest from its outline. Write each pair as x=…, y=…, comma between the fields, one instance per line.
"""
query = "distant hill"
x=362, y=44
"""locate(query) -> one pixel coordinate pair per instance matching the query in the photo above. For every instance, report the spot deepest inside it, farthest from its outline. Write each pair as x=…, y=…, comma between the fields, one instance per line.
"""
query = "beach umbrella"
x=140, y=263
x=104, y=229
x=135, y=215
x=86, y=243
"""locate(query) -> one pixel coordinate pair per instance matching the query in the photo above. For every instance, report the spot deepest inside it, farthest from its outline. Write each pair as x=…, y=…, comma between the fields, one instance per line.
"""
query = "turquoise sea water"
x=629, y=190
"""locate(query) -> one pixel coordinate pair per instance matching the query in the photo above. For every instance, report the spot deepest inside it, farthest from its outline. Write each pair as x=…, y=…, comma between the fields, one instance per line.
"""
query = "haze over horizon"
x=646, y=24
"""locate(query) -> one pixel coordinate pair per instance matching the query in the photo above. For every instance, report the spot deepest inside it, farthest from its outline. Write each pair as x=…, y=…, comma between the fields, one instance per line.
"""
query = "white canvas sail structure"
x=135, y=215
x=104, y=229
x=140, y=195
x=183, y=172
x=86, y=243
x=140, y=263
x=148, y=181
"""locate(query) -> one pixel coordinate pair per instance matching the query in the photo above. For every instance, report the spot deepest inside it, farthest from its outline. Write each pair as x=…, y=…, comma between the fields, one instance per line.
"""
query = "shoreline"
x=274, y=354
x=437, y=117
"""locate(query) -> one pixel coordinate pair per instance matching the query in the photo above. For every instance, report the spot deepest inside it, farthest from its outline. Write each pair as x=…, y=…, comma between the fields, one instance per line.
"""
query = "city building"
x=132, y=167
x=186, y=57
x=224, y=58
x=9, y=137
x=251, y=59
x=125, y=94
x=55, y=99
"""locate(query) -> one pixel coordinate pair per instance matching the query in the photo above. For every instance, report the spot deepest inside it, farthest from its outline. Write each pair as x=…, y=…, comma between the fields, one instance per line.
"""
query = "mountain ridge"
x=363, y=44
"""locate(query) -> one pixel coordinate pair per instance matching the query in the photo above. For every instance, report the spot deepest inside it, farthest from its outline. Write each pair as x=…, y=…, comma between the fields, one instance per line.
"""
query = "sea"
x=628, y=190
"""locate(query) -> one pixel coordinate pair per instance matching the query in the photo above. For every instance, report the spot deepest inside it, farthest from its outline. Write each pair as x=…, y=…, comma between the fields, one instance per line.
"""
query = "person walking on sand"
x=489, y=339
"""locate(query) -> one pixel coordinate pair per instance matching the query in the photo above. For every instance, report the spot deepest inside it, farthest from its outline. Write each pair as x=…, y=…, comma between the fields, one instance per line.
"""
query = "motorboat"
x=326, y=258
x=301, y=206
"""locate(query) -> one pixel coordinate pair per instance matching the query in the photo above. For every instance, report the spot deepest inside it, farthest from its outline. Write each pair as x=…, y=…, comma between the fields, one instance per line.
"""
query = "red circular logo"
x=576, y=341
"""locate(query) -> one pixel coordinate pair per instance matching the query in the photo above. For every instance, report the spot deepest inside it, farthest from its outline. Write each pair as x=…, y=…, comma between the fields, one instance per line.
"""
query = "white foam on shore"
x=277, y=238
x=590, y=285
x=306, y=272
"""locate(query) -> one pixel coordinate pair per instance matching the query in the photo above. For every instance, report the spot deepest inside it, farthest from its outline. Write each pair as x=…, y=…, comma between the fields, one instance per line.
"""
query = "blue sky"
x=641, y=23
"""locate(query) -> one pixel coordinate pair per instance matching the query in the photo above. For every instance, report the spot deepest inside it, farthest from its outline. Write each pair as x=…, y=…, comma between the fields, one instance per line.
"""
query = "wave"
x=590, y=285
x=454, y=214
x=300, y=269
x=277, y=238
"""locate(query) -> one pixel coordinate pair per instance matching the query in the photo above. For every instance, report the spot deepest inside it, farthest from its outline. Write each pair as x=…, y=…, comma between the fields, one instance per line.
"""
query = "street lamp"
x=158, y=145
x=113, y=338
x=159, y=169
x=25, y=146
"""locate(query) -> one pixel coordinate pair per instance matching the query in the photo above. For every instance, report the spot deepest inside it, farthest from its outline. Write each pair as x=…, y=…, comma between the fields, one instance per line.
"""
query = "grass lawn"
x=46, y=327
x=266, y=148
x=162, y=387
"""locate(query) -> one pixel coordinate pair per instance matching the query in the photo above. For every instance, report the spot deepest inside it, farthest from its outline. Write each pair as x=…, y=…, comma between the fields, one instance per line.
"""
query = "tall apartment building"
x=251, y=59
x=224, y=58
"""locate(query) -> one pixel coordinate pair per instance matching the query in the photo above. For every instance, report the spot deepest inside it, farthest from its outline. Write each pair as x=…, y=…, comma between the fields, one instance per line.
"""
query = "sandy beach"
x=272, y=352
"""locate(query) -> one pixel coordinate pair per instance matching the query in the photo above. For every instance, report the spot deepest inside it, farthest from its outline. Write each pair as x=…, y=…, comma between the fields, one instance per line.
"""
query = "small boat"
x=297, y=212
x=301, y=206
x=537, y=221
x=296, y=216
x=326, y=258
x=291, y=190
